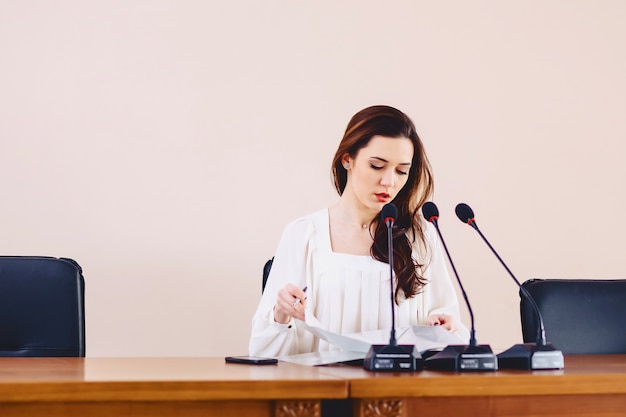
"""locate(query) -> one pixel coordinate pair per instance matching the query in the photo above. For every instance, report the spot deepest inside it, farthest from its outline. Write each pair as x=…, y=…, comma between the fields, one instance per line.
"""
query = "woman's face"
x=379, y=171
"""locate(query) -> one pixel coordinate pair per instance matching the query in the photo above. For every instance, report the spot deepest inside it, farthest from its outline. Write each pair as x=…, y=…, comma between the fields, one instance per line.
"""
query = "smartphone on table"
x=251, y=360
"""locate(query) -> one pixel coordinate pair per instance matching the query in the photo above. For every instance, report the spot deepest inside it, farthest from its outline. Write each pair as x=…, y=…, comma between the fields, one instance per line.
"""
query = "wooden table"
x=588, y=386
x=116, y=387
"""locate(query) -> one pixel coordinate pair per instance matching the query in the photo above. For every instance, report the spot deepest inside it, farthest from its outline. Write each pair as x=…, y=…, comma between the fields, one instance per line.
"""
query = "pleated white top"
x=346, y=293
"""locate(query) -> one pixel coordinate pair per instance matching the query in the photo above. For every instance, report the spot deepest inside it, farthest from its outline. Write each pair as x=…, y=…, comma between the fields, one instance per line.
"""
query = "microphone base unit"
x=531, y=356
x=398, y=358
x=463, y=358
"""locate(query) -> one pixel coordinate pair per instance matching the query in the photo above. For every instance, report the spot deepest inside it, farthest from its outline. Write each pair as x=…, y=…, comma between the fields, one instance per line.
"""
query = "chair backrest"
x=42, y=310
x=266, y=272
x=580, y=316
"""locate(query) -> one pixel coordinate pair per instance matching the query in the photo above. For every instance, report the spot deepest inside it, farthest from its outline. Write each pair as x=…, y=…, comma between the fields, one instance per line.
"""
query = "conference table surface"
x=588, y=386
x=593, y=385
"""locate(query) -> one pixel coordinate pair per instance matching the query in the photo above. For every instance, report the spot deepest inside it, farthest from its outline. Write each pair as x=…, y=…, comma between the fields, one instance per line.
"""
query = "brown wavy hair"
x=390, y=122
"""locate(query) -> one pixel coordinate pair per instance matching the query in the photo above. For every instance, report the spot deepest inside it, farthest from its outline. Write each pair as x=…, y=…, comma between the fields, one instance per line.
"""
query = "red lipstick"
x=383, y=197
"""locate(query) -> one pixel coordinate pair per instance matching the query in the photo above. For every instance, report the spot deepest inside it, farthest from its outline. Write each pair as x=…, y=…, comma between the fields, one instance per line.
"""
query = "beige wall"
x=164, y=145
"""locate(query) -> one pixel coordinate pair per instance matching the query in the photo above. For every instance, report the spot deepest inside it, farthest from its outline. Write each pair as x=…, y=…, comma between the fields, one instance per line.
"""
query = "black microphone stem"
x=541, y=332
x=392, y=336
x=472, y=341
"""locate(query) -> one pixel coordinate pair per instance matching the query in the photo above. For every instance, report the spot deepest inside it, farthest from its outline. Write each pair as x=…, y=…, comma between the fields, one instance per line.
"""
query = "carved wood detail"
x=385, y=407
x=308, y=408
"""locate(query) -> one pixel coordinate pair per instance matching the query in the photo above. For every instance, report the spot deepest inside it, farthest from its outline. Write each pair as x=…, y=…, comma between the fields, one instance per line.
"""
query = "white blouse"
x=346, y=293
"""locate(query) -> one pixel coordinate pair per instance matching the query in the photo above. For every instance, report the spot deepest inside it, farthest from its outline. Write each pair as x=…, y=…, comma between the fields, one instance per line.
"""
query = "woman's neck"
x=348, y=213
x=351, y=231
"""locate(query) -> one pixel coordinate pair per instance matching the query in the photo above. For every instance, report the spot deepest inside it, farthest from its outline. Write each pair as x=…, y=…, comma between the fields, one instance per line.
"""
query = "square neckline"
x=325, y=240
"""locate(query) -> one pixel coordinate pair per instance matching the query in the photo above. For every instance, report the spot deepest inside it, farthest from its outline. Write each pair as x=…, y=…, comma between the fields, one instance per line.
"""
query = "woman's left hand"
x=444, y=320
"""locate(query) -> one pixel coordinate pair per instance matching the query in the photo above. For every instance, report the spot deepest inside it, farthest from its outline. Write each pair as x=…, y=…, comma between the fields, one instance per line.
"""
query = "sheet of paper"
x=323, y=358
x=423, y=337
x=354, y=346
x=345, y=343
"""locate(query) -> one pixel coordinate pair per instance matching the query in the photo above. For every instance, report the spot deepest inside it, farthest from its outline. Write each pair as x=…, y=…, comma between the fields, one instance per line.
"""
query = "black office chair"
x=580, y=316
x=42, y=310
x=266, y=272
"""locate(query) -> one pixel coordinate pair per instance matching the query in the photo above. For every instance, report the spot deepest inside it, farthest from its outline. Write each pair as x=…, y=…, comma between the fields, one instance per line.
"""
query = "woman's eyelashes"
x=399, y=171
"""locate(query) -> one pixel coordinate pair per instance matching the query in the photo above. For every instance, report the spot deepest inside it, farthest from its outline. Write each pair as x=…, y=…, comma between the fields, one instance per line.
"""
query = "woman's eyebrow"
x=378, y=158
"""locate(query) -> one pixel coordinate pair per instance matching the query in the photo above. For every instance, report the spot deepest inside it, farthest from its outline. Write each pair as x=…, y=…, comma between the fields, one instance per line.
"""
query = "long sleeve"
x=292, y=263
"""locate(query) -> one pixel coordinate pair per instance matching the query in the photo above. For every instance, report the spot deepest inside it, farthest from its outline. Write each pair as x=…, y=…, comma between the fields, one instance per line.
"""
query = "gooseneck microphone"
x=538, y=355
x=431, y=213
x=466, y=215
x=388, y=214
x=472, y=357
x=392, y=357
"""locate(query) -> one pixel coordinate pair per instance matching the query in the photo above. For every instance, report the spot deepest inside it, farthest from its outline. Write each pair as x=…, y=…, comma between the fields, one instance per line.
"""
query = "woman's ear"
x=346, y=161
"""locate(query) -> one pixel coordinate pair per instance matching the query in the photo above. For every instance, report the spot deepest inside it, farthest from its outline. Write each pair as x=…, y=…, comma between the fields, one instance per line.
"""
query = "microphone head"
x=464, y=213
x=389, y=213
x=430, y=211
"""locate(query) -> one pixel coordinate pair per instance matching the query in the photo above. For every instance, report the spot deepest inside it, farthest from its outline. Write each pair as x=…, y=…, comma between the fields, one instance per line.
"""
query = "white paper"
x=355, y=345
x=323, y=358
x=423, y=337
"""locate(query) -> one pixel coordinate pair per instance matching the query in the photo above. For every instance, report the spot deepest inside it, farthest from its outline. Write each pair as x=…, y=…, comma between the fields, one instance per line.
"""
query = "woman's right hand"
x=444, y=320
x=290, y=302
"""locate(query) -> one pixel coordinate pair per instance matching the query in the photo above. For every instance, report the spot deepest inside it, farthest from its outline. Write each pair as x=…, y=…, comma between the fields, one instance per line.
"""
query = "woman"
x=339, y=254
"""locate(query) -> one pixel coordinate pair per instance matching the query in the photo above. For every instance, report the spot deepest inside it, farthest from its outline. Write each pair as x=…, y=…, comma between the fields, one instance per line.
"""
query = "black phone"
x=251, y=360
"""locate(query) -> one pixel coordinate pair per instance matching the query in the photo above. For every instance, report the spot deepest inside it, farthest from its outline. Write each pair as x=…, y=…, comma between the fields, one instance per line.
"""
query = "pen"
x=298, y=298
